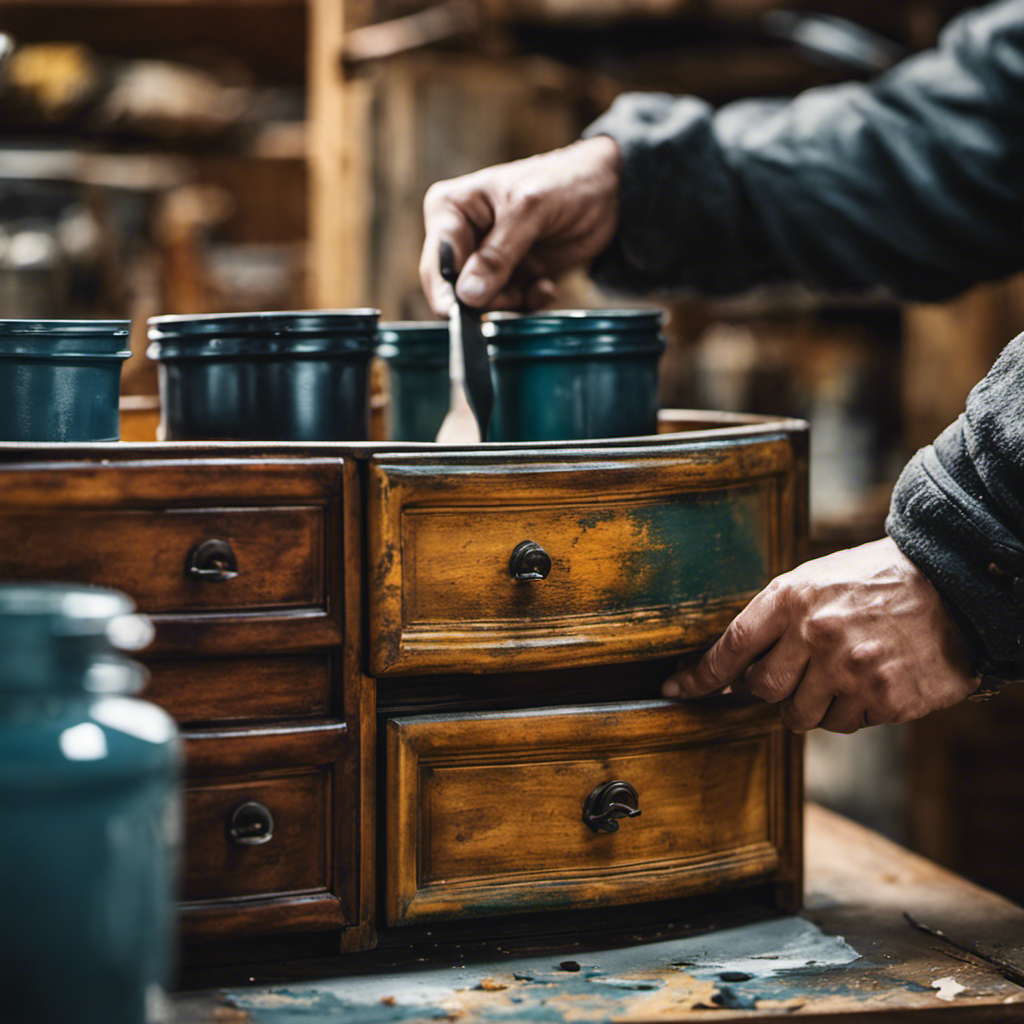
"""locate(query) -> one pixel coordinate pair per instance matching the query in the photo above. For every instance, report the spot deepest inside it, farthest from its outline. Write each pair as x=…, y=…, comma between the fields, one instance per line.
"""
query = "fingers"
x=776, y=675
x=494, y=261
x=747, y=637
x=446, y=218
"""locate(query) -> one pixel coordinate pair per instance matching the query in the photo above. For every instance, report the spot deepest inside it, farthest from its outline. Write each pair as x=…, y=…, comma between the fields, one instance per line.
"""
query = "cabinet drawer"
x=485, y=812
x=262, y=844
x=278, y=554
x=242, y=689
x=148, y=527
x=651, y=552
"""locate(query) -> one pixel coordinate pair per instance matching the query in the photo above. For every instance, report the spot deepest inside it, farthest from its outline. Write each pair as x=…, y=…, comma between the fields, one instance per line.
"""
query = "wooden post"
x=340, y=193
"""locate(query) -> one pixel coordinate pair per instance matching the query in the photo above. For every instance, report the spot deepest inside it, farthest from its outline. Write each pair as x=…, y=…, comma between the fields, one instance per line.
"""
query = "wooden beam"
x=339, y=164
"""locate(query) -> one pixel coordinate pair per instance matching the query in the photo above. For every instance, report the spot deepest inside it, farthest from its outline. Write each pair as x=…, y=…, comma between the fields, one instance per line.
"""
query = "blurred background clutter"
x=187, y=156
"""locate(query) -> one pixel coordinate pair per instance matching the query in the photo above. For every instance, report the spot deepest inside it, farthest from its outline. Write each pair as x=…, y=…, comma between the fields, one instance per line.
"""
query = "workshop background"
x=171, y=156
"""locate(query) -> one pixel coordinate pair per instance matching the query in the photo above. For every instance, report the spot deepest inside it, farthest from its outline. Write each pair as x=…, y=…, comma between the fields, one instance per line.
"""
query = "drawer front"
x=485, y=811
x=278, y=554
x=242, y=689
x=227, y=556
x=263, y=843
x=651, y=553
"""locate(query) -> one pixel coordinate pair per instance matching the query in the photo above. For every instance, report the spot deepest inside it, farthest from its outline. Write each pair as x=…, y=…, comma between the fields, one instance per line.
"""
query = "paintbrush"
x=471, y=394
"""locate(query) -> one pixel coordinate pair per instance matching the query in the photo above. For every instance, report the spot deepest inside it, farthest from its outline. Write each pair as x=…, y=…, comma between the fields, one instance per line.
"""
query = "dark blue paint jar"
x=416, y=354
x=574, y=374
x=298, y=376
x=59, y=379
x=90, y=812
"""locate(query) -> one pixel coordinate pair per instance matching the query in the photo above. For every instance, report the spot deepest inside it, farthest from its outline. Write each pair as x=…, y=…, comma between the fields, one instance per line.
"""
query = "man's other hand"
x=857, y=638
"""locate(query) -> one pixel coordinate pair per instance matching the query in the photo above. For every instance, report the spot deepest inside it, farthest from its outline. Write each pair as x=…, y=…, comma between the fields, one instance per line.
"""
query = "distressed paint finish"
x=484, y=810
x=653, y=550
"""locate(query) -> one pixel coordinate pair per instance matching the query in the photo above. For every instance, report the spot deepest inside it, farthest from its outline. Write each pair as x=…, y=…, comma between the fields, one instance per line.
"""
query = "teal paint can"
x=89, y=807
x=297, y=376
x=416, y=354
x=60, y=379
x=574, y=374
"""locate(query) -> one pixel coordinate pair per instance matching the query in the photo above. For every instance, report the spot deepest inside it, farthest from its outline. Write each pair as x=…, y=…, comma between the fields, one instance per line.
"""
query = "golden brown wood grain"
x=295, y=773
x=240, y=689
x=484, y=811
x=441, y=533
x=371, y=558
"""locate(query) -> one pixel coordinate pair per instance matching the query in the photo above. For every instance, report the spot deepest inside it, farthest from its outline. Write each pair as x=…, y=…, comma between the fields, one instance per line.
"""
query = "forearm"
x=913, y=182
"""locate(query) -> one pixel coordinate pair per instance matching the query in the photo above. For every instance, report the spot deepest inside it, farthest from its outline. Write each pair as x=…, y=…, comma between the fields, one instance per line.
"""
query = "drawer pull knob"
x=529, y=561
x=251, y=824
x=213, y=561
x=609, y=802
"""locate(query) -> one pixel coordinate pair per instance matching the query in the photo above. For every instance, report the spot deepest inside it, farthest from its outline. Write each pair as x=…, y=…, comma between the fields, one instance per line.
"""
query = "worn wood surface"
x=269, y=672
x=484, y=811
x=652, y=552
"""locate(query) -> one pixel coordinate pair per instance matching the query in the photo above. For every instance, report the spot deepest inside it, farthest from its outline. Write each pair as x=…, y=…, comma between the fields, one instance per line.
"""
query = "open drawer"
x=488, y=813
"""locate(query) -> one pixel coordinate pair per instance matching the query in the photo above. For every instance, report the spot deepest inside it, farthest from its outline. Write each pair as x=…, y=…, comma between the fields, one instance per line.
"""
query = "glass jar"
x=89, y=808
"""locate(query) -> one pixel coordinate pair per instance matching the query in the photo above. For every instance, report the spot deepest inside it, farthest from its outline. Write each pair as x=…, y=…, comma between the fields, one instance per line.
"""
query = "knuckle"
x=712, y=669
x=734, y=640
x=768, y=684
x=864, y=656
x=527, y=200
x=793, y=719
x=820, y=629
x=491, y=258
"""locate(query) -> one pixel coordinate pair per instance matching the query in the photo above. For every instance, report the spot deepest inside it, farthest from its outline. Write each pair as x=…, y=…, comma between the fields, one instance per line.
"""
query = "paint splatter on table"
x=851, y=953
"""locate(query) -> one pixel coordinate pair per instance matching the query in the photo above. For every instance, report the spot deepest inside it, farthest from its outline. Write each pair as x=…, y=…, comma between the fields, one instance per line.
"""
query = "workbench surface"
x=854, y=950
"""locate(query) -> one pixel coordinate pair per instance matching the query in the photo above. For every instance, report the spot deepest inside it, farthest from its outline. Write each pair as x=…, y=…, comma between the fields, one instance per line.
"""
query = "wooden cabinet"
x=310, y=598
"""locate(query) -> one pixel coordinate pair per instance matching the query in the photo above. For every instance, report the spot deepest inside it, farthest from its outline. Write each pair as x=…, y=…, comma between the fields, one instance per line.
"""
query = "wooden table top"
x=860, y=887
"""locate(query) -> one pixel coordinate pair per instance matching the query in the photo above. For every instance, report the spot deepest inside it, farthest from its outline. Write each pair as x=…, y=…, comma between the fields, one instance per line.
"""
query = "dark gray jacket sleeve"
x=914, y=182
x=958, y=513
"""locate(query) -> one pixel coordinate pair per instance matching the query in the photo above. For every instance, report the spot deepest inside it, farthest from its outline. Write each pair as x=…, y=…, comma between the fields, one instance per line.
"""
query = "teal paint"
x=416, y=354
x=693, y=548
x=574, y=374
x=89, y=807
x=299, y=376
x=59, y=379
x=785, y=957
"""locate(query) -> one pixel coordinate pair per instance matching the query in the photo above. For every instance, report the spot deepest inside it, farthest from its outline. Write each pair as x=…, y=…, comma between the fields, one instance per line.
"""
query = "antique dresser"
x=420, y=686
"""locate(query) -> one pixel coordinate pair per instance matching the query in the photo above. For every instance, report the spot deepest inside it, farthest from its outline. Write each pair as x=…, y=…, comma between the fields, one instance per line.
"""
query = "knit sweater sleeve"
x=958, y=514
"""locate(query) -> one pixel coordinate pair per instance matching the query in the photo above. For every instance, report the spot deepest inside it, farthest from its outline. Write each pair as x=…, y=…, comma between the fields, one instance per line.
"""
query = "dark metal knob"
x=213, y=561
x=251, y=824
x=610, y=801
x=529, y=561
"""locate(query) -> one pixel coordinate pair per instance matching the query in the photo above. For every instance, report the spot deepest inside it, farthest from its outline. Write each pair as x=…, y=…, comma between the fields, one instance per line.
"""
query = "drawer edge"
x=223, y=919
x=484, y=898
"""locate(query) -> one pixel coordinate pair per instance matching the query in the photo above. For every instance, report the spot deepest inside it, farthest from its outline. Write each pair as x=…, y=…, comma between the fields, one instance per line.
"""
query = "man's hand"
x=517, y=226
x=857, y=638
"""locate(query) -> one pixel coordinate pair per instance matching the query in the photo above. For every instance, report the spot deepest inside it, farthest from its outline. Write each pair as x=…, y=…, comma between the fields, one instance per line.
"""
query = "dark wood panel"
x=295, y=858
x=485, y=810
x=239, y=689
x=295, y=774
x=144, y=553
